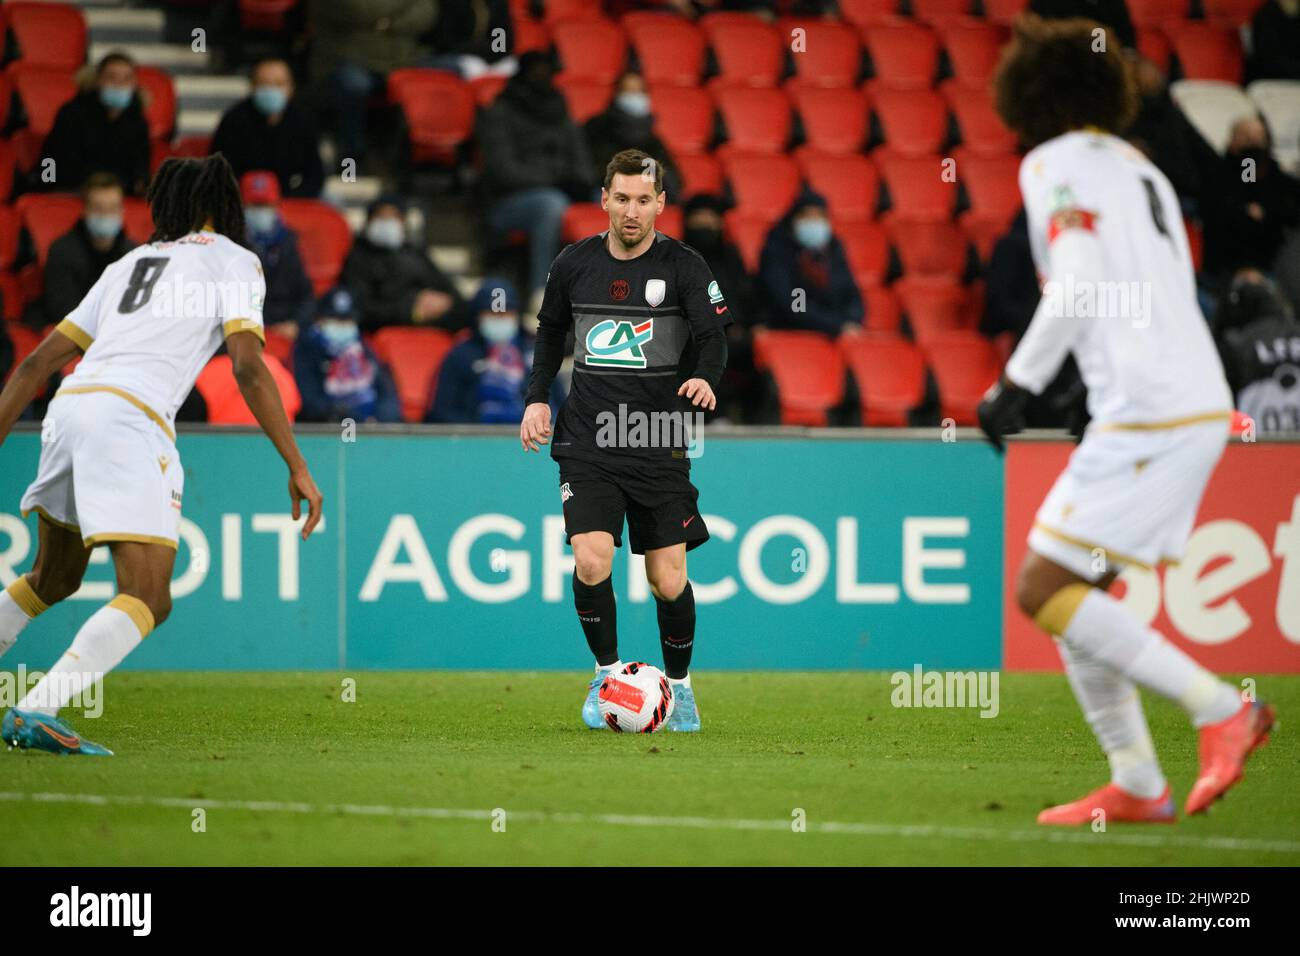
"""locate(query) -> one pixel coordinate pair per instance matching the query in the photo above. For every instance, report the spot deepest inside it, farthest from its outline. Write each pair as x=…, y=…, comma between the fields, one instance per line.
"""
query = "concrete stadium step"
x=124, y=25
x=175, y=58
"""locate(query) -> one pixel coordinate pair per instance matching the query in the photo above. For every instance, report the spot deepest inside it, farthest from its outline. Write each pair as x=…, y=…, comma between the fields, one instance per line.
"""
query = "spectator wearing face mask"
x=269, y=130
x=804, y=274
x=77, y=258
x=102, y=129
x=1249, y=203
x=1259, y=342
x=394, y=282
x=289, y=301
x=627, y=123
x=338, y=375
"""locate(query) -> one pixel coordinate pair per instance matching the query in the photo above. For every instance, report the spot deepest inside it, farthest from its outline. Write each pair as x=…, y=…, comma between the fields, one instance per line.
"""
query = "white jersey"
x=158, y=314
x=1119, y=289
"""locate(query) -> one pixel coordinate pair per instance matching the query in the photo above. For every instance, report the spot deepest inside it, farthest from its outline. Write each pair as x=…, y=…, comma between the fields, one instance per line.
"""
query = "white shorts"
x=108, y=471
x=1127, y=497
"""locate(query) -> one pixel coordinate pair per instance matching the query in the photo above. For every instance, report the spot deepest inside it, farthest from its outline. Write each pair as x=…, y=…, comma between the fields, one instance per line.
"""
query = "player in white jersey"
x=109, y=470
x=1120, y=295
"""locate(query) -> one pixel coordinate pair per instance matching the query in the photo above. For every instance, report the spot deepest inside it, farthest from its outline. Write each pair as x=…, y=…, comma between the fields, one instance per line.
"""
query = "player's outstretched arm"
x=258, y=388
x=32, y=372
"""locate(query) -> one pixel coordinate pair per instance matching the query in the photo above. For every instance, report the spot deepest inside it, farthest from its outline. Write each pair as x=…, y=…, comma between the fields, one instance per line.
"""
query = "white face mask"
x=386, y=233
x=498, y=329
x=634, y=103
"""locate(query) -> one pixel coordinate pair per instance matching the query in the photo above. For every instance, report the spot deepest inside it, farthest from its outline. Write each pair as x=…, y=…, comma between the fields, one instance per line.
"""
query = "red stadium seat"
x=281, y=346
x=46, y=217
x=583, y=219
x=763, y=186
x=890, y=374
x=973, y=48
x=834, y=121
x=48, y=34
x=918, y=188
x=850, y=183
x=1156, y=13
x=323, y=237
x=42, y=90
x=439, y=109
x=25, y=341
x=982, y=233
x=1231, y=13
x=756, y=120
x=808, y=370
x=929, y=248
x=748, y=233
x=594, y=50
x=866, y=12
x=866, y=246
x=137, y=220
x=683, y=118
x=585, y=98
x=487, y=88
x=827, y=53
x=940, y=13
x=11, y=297
x=1002, y=12
x=981, y=129
x=1154, y=45
x=414, y=356
x=6, y=98
x=749, y=52
x=671, y=222
x=267, y=16
x=701, y=173
x=915, y=122
x=159, y=95
x=964, y=364
x=8, y=166
x=903, y=54
x=557, y=10
x=9, y=226
x=933, y=306
x=1207, y=52
x=882, y=308
x=670, y=49
x=992, y=185
x=530, y=35
x=226, y=406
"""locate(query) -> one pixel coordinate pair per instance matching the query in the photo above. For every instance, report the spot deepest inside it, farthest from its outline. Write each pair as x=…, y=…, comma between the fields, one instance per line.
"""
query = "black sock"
x=596, y=610
x=677, y=632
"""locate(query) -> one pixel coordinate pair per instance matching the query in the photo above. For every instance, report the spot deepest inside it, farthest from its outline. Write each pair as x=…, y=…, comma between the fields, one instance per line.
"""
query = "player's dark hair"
x=1060, y=75
x=634, y=162
x=187, y=194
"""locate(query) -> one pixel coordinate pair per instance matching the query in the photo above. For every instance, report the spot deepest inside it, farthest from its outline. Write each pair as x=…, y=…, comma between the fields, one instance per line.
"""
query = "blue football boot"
x=591, y=706
x=33, y=731
x=685, y=717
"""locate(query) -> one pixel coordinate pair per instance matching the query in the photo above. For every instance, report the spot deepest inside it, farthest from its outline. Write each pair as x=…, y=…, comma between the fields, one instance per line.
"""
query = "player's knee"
x=667, y=582
x=591, y=562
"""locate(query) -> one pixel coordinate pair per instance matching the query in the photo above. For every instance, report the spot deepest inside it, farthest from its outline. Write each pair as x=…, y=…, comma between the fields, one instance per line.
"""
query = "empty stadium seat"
x=683, y=118
x=669, y=49
x=159, y=96
x=808, y=370
x=46, y=217
x=882, y=308
x=6, y=98
x=487, y=88
x=903, y=54
x=11, y=297
x=530, y=35
x=323, y=238
x=973, y=47
x=414, y=356
x=933, y=305
x=1154, y=45
x=1002, y=12
x=756, y=120
x=827, y=53
x=1212, y=106
x=8, y=167
x=268, y=16
x=439, y=109
x=918, y=188
x=671, y=222
x=915, y=122
x=866, y=12
x=992, y=185
x=1231, y=13
x=929, y=248
x=557, y=10
x=583, y=219
x=1156, y=13
x=700, y=173
x=585, y=98
x=1207, y=52
x=890, y=375
x=9, y=226
x=748, y=233
x=137, y=220
x=42, y=90
x=226, y=406
x=850, y=183
x=47, y=34
x=981, y=129
x=25, y=341
x=749, y=52
x=964, y=364
x=281, y=346
x=594, y=50
x=866, y=246
x=940, y=13
x=834, y=120
x=1279, y=101
x=762, y=185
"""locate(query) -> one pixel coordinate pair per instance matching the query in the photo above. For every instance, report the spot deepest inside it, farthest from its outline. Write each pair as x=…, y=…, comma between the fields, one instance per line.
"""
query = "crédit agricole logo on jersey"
x=619, y=343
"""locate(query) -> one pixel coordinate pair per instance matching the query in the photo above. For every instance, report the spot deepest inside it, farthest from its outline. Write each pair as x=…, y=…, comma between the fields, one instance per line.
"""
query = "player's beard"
x=628, y=241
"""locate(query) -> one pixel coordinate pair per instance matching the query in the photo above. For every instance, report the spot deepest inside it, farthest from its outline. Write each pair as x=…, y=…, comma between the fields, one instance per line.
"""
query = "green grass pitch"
x=412, y=771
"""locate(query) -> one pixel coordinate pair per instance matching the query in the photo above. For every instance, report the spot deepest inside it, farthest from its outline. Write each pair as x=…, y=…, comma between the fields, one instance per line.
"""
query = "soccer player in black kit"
x=649, y=348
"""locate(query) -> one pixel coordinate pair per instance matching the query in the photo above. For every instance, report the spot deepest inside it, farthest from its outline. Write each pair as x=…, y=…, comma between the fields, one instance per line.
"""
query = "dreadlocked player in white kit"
x=1105, y=231
x=109, y=471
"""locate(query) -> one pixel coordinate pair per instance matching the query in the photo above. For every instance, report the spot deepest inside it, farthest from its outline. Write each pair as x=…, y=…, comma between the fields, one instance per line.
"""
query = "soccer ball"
x=636, y=699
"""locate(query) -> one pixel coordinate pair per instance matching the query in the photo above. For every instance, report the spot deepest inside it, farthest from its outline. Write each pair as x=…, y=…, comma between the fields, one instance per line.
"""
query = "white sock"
x=684, y=682
x=18, y=605
x=1113, y=710
x=616, y=666
x=103, y=642
x=1100, y=628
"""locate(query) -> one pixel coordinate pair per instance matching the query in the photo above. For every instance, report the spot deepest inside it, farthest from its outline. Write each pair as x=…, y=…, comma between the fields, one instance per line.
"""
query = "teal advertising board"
x=448, y=551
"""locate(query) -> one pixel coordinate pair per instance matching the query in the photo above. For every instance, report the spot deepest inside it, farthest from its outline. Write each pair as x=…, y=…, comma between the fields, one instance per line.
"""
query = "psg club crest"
x=654, y=291
x=619, y=289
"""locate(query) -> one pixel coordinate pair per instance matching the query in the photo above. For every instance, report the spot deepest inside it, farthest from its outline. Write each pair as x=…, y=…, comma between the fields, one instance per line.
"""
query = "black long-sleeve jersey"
x=641, y=327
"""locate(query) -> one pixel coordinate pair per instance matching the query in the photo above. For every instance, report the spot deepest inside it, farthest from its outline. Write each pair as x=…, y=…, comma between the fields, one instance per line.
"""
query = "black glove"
x=1002, y=412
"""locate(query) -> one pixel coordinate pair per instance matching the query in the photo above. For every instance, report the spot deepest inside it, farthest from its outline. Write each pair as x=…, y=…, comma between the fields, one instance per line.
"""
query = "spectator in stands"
x=355, y=45
x=102, y=129
x=268, y=130
x=1259, y=341
x=1275, y=38
x=482, y=379
x=627, y=123
x=534, y=161
x=77, y=258
x=338, y=375
x=472, y=39
x=1249, y=203
x=1167, y=137
x=1110, y=13
x=805, y=275
x=289, y=301
x=394, y=282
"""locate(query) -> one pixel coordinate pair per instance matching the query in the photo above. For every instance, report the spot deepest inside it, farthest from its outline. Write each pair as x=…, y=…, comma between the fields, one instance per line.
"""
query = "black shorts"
x=660, y=505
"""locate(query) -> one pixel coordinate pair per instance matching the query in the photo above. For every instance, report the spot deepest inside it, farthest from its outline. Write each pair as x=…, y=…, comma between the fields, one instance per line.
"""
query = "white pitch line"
x=908, y=831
